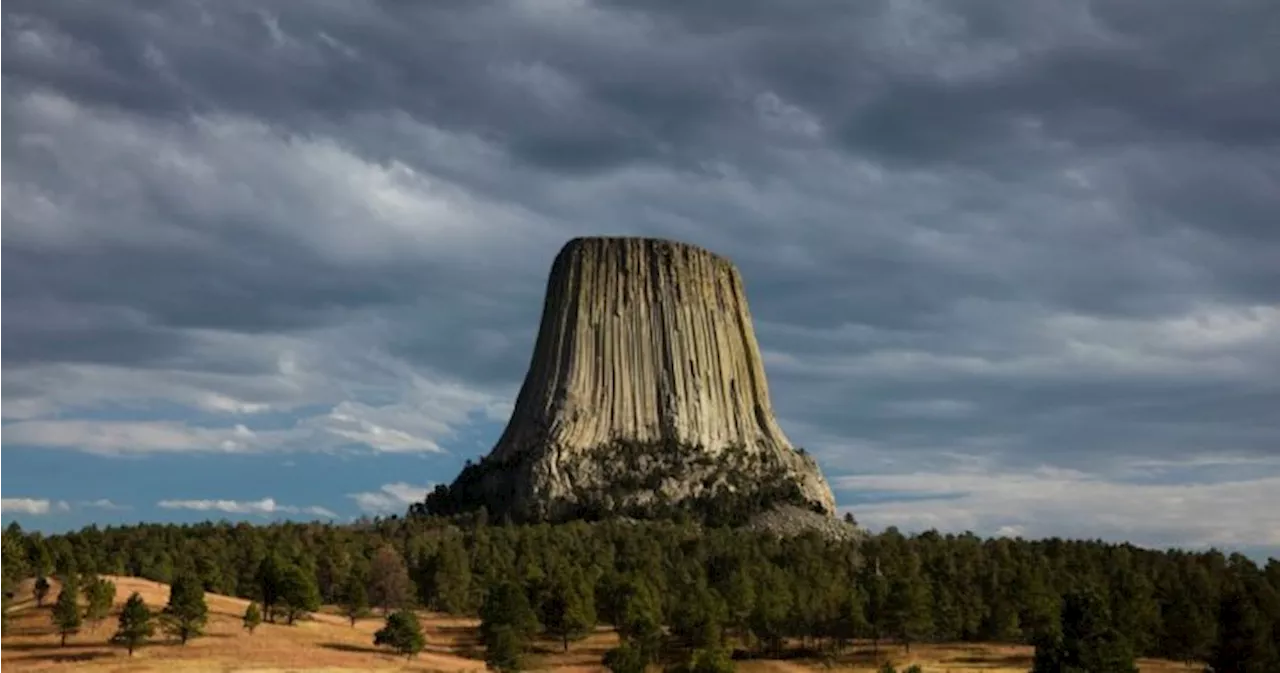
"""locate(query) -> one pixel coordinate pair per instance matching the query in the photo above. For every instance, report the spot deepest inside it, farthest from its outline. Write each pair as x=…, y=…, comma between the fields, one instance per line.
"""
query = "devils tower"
x=646, y=395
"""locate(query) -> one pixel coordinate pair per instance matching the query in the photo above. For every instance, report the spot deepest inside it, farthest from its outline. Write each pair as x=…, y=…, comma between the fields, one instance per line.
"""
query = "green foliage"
x=402, y=633
x=66, y=610
x=186, y=614
x=41, y=590
x=507, y=622
x=907, y=613
x=626, y=658
x=99, y=594
x=507, y=607
x=298, y=594
x=698, y=619
x=568, y=611
x=389, y=584
x=355, y=599
x=1088, y=642
x=13, y=553
x=1246, y=642
x=504, y=649
x=1188, y=628
x=252, y=618
x=640, y=620
x=268, y=579
x=451, y=581
x=654, y=578
x=135, y=624
x=774, y=605
x=711, y=660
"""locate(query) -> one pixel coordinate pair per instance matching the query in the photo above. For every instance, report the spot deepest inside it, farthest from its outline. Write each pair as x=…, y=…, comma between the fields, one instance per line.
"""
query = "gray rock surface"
x=646, y=389
x=788, y=520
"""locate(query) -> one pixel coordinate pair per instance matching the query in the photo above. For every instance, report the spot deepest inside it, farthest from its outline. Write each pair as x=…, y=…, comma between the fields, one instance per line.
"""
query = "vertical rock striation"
x=646, y=391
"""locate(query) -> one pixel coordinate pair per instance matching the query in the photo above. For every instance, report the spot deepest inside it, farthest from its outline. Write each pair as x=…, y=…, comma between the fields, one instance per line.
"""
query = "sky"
x=1014, y=267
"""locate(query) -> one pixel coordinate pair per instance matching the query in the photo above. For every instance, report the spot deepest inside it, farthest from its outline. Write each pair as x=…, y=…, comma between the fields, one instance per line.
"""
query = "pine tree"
x=41, y=590
x=332, y=568
x=135, y=624
x=698, y=618
x=773, y=607
x=13, y=556
x=640, y=621
x=402, y=632
x=185, y=615
x=452, y=583
x=739, y=595
x=568, y=611
x=1087, y=643
x=298, y=594
x=626, y=658
x=507, y=622
x=909, y=603
x=99, y=593
x=66, y=611
x=1245, y=641
x=389, y=583
x=711, y=660
x=1133, y=606
x=851, y=618
x=1187, y=629
x=252, y=618
x=267, y=578
x=875, y=590
x=504, y=649
x=355, y=600
x=1041, y=605
x=507, y=606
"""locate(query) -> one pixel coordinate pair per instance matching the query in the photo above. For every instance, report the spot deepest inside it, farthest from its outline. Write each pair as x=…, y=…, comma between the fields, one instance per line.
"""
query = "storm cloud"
x=1040, y=236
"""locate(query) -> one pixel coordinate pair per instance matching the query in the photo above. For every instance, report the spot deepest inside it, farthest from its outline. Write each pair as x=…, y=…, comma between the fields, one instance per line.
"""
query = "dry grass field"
x=328, y=643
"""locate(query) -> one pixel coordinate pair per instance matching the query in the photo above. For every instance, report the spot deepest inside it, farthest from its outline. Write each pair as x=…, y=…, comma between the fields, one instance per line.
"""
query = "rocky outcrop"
x=788, y=520
x=646, y=394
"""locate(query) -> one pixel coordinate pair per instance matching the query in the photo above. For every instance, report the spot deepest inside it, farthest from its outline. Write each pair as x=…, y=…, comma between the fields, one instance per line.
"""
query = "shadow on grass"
x=785, y=654
x=55, y=653
x=450, y=629
x=1001, y=661
x=355, y=649
x=76, y=658
x=71, y=646
x=30, y=631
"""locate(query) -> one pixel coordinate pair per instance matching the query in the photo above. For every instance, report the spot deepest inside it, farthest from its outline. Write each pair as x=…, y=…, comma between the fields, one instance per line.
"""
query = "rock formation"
x=646, y=394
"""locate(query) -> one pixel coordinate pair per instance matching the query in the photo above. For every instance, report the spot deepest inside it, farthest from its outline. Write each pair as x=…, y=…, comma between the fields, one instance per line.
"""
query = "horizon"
x=1011, y=268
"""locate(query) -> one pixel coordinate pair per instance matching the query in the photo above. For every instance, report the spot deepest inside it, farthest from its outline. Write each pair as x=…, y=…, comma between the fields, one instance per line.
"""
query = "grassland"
x=328, y=643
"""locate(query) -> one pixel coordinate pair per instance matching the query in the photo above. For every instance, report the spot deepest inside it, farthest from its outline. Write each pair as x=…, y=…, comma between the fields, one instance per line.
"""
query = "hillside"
x=327, y=643
x=961, y=601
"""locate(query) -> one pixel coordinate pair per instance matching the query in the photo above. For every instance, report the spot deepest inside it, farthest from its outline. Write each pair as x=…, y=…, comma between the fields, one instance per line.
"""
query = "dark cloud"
x=1038, y=231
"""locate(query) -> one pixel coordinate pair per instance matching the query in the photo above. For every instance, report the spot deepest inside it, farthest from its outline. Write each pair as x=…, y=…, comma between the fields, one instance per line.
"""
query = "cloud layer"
x=265, y=506
x=390, y=498
x=33, y=506
x=1036, y=235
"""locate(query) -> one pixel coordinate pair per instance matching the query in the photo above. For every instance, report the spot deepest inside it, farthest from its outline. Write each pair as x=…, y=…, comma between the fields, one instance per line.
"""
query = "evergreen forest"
x=718, y=593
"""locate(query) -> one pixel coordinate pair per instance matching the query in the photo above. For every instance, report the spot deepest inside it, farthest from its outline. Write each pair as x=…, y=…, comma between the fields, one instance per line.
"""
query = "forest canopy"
x=695, y=580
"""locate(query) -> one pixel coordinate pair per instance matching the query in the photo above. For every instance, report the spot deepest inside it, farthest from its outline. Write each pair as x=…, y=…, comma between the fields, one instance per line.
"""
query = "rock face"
x=646, y=393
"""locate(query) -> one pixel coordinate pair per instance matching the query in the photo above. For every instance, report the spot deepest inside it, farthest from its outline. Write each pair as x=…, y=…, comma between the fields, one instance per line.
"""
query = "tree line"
x=694, y=597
